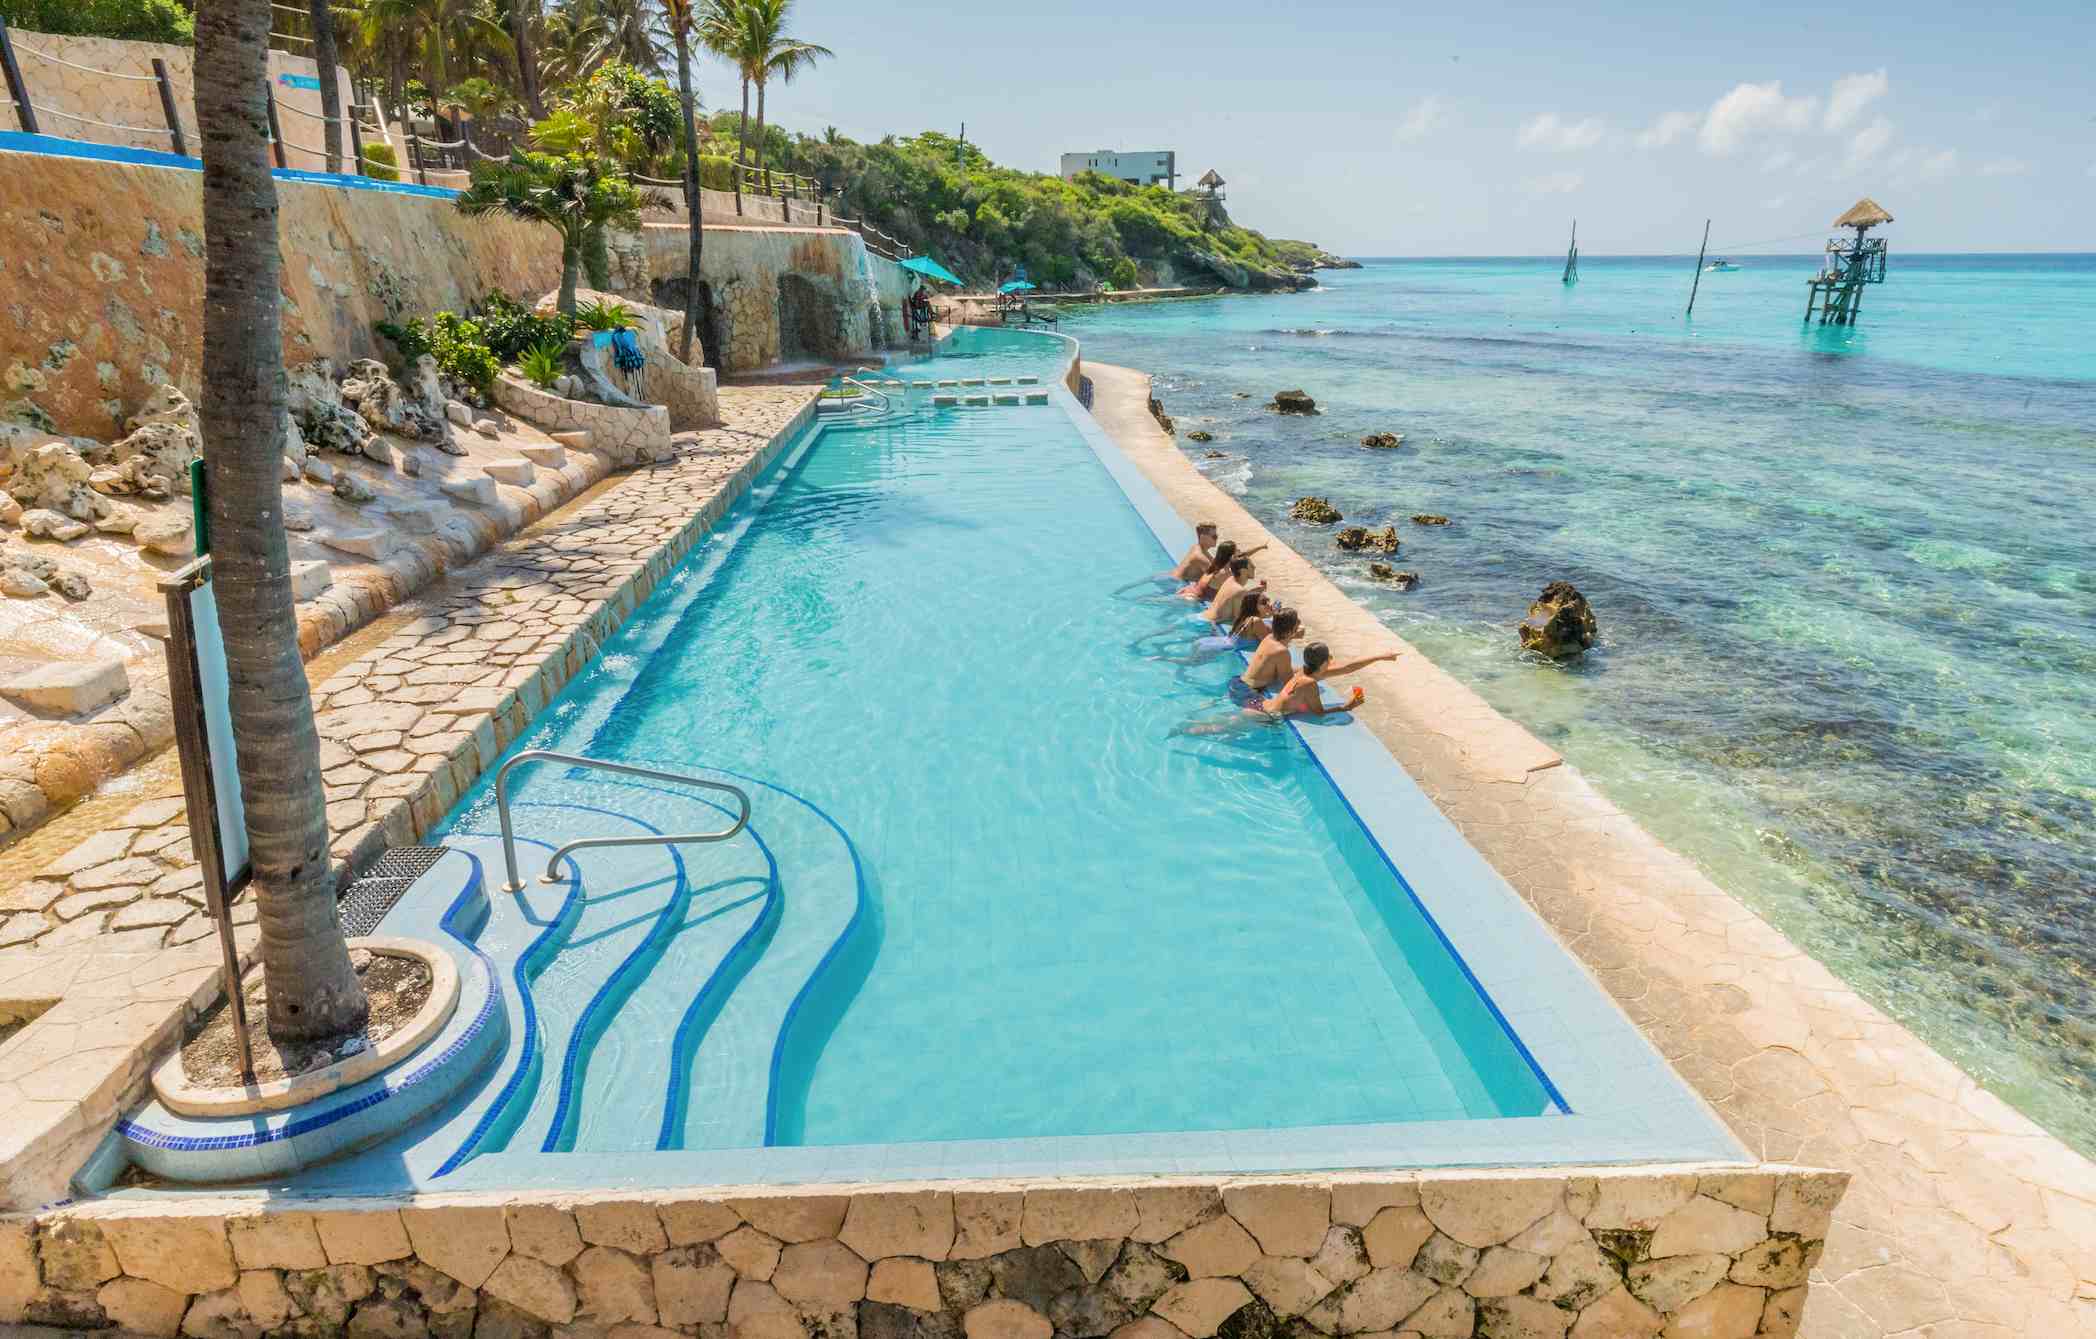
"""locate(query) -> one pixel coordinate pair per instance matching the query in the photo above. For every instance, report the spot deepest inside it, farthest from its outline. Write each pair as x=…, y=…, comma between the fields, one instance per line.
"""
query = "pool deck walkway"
x=107, y=943
x=1964, y=1219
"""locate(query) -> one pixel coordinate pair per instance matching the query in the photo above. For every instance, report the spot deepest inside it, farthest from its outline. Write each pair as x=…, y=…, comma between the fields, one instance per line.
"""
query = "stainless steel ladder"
x=509, y=841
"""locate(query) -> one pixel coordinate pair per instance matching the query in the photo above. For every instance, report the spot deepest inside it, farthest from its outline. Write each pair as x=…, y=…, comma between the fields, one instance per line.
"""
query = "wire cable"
x=106, y=125
x=20, y=45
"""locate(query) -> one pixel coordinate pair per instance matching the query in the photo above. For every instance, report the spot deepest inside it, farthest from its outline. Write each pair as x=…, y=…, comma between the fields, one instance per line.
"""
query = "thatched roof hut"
x=1865, y=213
x=1210, y=180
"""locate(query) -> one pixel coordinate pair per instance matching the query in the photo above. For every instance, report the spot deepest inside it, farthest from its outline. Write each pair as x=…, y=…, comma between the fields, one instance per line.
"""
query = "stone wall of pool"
x=1606, y=1253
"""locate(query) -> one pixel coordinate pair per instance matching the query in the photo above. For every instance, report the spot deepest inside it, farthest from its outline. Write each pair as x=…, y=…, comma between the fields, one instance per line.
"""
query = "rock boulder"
x=1315, y=510
x=1293, y=402
x=1428, y=518
x=1384, y=441
x=1559, y=624
x=1355, y=538
x=1385, y=572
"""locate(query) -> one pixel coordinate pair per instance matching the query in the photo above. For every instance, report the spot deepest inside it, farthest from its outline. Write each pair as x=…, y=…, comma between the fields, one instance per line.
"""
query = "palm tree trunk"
x=527, y=60
x=570, y=273
x=742, y=142
x=313, y=991
x=761, y=160
x=693, y=202
x=330, y=91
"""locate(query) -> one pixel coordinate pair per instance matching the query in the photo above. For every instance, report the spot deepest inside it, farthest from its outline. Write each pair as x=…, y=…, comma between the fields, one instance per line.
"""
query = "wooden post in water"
x=1699, y=268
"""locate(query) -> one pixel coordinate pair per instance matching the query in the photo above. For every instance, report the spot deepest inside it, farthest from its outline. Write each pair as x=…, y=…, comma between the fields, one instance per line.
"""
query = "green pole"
x=199, y=507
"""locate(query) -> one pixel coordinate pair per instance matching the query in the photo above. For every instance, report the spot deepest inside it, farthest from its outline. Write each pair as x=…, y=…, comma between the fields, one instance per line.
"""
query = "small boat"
x=1719, y=266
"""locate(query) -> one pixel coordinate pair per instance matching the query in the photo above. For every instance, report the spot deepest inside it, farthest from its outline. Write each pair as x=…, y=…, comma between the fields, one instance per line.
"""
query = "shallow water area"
x=1843, y=578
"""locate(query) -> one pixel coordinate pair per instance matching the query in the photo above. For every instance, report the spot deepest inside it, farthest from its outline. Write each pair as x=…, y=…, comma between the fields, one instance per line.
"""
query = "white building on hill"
x=1148, y=167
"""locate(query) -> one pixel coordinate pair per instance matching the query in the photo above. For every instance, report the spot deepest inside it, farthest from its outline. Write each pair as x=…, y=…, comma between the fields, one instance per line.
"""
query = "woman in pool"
x=1251, y=627
x=1203, y=588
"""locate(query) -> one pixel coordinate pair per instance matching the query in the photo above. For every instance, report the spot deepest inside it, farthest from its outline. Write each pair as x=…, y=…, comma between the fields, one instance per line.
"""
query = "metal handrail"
x=878, y=395
x=509, y=841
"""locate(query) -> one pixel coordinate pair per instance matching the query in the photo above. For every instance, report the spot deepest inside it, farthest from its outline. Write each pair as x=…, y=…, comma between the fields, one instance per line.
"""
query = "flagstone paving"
x=1964, y=1219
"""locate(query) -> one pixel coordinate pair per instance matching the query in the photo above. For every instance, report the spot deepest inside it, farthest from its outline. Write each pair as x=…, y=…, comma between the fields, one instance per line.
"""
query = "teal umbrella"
x=1016, y=286
x=931, y=269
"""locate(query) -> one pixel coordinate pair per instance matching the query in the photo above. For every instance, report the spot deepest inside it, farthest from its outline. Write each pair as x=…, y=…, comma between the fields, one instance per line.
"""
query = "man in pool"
x=1270, y=664
x=1236, y=586
x=1195, y=564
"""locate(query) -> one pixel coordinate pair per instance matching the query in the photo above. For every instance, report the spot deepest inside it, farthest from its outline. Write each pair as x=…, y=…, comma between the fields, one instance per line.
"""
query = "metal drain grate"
x=367, y=900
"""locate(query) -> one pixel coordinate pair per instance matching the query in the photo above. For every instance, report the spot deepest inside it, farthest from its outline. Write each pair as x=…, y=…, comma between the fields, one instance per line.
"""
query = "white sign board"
x=212, y=688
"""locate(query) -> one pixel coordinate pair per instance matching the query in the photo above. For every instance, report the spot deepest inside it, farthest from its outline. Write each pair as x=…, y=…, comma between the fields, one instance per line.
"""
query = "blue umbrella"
x=1016, y=286
x=931, y=269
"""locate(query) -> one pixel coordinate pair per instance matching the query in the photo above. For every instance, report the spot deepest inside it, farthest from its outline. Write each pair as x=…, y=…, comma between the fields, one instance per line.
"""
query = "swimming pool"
x=991, y=912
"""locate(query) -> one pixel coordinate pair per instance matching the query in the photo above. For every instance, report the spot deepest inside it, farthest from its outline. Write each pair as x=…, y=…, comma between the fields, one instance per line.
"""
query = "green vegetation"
x=380, y=162
x=512, y=329
x=578, y=195
x=603, y=314
x=542, y=366
x=457, y=342
x=982, y=220
x=133, y=20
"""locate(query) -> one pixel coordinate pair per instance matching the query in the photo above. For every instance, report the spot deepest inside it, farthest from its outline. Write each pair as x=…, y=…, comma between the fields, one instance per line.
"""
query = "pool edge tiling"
x=1615, y=1100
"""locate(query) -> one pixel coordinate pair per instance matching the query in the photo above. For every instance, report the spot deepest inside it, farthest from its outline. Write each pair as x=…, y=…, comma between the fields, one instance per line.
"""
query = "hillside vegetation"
x=982, y=220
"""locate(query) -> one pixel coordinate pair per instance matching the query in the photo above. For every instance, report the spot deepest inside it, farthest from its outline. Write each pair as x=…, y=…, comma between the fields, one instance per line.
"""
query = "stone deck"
x=1964, y=1219
x=406, y=725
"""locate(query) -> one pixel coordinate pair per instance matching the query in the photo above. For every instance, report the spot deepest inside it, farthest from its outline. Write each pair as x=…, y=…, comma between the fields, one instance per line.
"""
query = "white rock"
x=69, y=687
x=544, y=454
x=519, y=472
x=367, y=543
x=112, y=482
x=44, y=523
x=121, y=520
x=352, y=489
x=487, y=427
x=407, y=461
x=574, y=441
x=458, y=412
x=479, y=491
x=415, y=520
x=164, y=534
x=21, y=583
x=309, y=578
x=319, y=471
x=10, y=510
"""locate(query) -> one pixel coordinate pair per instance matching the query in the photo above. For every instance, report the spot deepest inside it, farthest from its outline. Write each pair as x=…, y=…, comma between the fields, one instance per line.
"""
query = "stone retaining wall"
x=1720, y=1253
x=625, y=434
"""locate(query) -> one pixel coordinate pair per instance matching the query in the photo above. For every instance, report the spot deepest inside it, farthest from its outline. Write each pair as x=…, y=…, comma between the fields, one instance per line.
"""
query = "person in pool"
x=1201, y=556
x=1228, y=596
x=1299, y=696
x=1251, y=627
x=1203, y=589
x=1270, y=665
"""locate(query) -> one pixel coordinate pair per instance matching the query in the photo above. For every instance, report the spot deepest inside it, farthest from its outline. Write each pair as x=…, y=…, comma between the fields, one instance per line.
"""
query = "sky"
x=1486, y=128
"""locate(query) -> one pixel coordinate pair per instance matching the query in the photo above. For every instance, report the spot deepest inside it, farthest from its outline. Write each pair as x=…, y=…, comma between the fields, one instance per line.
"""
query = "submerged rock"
x=1384, y=441
x=1315, y=510
x=1293, y=402
x=1358, y=537
x=1385, y=572
x=1428, y=518
x=1215, y=455
x=1164, y=420
x=1559, y=624
x=1198, y=435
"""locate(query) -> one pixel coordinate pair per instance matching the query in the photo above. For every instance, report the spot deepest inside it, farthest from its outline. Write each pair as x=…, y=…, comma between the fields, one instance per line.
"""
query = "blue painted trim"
x=575, y=1062
x=528, y=1057
x=56, y=146
x=151, y=1138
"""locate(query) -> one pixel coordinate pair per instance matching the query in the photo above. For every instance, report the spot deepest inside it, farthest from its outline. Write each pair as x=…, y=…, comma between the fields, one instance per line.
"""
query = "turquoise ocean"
x=1846, y=578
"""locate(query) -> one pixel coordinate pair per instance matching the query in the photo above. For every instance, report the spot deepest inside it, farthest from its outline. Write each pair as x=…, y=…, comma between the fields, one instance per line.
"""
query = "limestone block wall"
x=780, y=291
x=1607, y=1254
x=103, y=278
x=625, y=435
x=85, y=87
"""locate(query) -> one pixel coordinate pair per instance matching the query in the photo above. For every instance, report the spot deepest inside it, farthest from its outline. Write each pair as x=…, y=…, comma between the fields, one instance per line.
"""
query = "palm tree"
x=435, y=24
x=524, y=18
x=724, y=32
x=784, y=58
x=683, y=21
x=313, y=990
x=577, y=195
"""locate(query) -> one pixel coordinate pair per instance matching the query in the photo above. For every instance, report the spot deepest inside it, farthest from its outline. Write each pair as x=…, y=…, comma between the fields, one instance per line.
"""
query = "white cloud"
x=1751, y=108
x=1851, y=94
x=1870, y=141
x=1426, y=116
x=2004, y=167
x=1548, y=131
x=1555, y=183
x=1666, y=130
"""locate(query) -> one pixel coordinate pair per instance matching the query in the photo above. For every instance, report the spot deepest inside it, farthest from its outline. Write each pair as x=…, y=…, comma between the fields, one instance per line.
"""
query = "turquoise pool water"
x=1011, y=901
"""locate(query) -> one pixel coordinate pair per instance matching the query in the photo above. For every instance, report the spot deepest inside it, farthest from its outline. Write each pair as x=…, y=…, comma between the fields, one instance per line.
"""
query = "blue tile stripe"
x=57, y=146
x=146, y=1136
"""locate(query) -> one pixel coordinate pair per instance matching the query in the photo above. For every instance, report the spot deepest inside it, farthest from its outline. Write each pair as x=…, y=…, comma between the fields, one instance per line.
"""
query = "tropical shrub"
x=411, y=337
x=542, y=366
x=512, y=329
x=603, y=315
x=380, y=162
x=462, y=352
x=131, y=20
